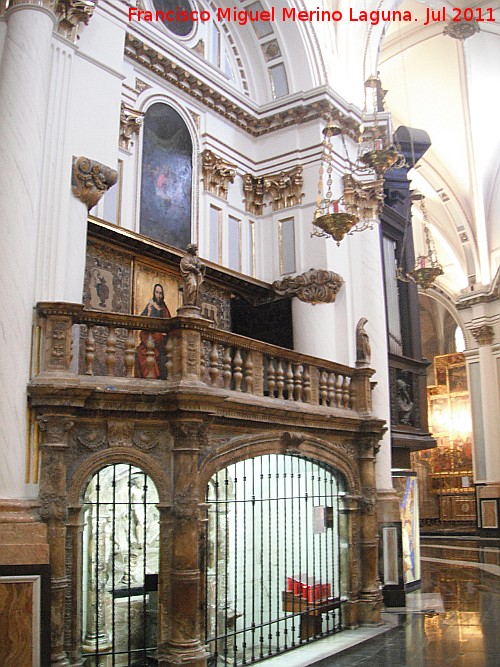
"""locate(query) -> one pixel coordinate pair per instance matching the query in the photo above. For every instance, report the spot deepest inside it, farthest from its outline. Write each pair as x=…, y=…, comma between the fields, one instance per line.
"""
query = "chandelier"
x=427, y=267
x=361, y=201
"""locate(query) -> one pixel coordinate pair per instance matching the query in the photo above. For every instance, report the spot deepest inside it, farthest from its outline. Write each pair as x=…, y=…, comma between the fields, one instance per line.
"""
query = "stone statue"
x=193, y=274
x=363, y=349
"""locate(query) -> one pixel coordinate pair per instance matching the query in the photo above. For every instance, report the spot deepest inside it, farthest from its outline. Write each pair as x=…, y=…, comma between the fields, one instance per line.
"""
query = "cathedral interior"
x=250, y=315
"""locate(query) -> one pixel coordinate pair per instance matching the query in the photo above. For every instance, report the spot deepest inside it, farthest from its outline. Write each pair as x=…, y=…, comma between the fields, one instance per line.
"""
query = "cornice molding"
x=299, y=110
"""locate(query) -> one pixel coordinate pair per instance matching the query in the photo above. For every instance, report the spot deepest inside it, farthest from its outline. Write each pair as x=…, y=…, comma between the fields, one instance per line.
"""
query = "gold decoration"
x=382, y=159
x=483, y=334
x=336, y=225
x=364, y=199
x=313, y=286
x=217, y=174
x=72, y=13
x=90, y=180
x=130, y=123
x=284, y=188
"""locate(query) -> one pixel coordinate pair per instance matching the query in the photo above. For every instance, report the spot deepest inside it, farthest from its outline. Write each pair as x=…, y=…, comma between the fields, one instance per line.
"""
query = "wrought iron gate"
x=276, y=552
x=120, y=568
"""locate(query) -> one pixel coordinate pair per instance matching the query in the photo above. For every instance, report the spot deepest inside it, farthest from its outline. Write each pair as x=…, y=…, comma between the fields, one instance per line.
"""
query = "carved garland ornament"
x=313, y=286
x=217, y=174
x=90, y=180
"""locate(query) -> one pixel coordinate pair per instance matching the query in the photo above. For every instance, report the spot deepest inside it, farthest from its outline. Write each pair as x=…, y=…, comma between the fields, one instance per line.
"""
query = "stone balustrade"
x=77, y=342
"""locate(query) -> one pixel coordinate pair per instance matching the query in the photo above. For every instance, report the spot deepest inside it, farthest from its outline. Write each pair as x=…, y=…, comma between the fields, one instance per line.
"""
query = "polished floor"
x=453, y=620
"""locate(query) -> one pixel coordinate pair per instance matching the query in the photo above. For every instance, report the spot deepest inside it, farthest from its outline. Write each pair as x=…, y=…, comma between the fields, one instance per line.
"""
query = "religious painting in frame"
x=146, y=276
x=167, y=175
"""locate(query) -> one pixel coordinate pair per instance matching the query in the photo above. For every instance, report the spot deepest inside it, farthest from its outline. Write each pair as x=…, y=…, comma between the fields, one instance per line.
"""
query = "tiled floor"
x=454, y=620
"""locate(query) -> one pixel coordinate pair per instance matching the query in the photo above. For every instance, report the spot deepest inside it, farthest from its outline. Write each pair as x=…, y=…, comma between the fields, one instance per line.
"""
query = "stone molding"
x=90, y=180
x=217, y=174
x=313, y=286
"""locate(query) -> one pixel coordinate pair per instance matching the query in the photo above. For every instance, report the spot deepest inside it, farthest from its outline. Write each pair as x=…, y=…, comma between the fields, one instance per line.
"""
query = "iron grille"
x=120, y=568
x=276, y=542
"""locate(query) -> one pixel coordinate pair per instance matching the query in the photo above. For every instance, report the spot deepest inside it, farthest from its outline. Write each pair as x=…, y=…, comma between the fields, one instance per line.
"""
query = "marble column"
x=24, y=92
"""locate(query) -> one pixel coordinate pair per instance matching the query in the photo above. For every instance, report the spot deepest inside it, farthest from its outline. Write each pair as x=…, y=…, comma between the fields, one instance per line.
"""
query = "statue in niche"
x=363, y=348
x=156, y=307
x=193, y=274
x=405, y=404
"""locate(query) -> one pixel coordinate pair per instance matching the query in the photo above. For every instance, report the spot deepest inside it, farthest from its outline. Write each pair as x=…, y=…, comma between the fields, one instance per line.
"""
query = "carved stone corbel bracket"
x=313, y=286
x=483, y=334
x=71, y=14
x=130, y=123
x=284, y=189
x=292, y=440
x=90, y=180
x=217, y=173
x=364, y=199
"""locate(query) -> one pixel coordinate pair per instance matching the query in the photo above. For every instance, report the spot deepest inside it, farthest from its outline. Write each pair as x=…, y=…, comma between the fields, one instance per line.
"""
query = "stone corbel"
x=364, y=199
x=130, y=123
x=313, y=286
x=217, y=173
x=90, y=180
x=71, y=14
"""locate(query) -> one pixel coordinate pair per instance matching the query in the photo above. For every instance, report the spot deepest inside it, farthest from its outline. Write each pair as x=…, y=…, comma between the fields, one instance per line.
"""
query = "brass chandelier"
x=362, y=198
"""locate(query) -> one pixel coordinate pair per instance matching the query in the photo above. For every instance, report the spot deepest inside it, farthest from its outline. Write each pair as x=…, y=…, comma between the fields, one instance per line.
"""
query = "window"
x=234, y=243
x=166, y=187
x=179, y=28
x=215, y=235
x=287, y=245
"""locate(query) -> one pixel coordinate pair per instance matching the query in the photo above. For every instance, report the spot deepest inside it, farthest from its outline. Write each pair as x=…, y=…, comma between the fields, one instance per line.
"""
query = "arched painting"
x=167, y=172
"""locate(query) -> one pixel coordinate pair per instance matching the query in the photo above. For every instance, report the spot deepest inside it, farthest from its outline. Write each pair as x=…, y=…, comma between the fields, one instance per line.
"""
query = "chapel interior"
x=250, y=314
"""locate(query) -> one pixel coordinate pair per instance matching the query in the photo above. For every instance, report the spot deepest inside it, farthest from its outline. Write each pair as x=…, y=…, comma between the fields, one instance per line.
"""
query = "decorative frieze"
x=217, y=173
x=131, y=122
x=483, y=334
x=283, y=188
x=90, y=180
x=313, y=286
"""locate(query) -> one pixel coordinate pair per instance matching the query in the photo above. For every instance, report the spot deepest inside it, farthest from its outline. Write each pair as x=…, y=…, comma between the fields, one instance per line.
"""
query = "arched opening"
x=276, y=557
x=167, y=175
x=120, y=568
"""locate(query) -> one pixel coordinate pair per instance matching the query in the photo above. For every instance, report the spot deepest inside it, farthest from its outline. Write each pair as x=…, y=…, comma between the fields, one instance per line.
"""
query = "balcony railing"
x=78, y=342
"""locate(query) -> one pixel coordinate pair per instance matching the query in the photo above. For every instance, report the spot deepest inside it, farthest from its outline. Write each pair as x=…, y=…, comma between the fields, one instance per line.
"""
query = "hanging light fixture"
x=427, y=267
x=331, y=217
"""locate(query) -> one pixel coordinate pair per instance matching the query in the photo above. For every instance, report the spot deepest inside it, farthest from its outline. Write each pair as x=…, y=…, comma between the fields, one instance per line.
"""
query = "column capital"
x=483, y=333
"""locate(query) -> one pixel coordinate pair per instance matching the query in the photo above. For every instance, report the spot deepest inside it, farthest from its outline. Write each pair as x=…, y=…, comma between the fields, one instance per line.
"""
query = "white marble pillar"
x=24, y=91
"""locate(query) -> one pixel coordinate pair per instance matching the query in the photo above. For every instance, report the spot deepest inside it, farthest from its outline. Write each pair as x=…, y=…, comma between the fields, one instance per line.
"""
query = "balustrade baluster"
x=280, y=375
x=130, y=354
x=289, y=381
x=150, y=357
x=214, y=364
x=271, y=377
x=297, y=382
x=306, y=383
x=249, y=373
x=89, y=351
x=338, y=391
x=331, y=390
x=110, y=351
x=346, y=391
x=169, y=357
x=237, y=373
x=323, y=393
x=226, y=367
